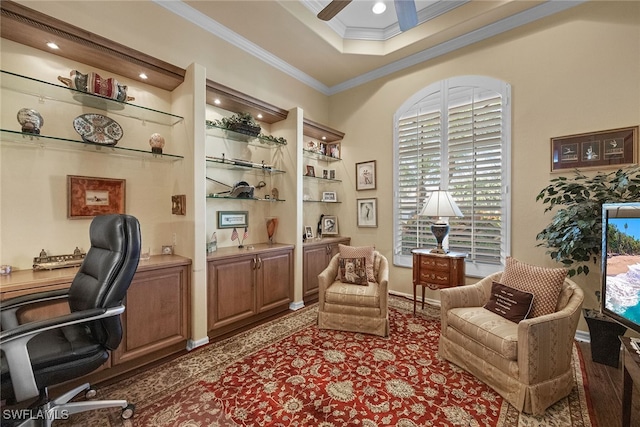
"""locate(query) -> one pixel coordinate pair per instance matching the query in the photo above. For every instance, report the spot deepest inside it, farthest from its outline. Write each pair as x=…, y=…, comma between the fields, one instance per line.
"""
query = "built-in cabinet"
x=247, y=285
x=316, y=255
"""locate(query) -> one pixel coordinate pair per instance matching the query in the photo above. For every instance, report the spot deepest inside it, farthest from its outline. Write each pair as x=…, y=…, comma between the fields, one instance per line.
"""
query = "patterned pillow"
x=544, y=283
x=352, y=270
x=357, y=252
x=509, y=303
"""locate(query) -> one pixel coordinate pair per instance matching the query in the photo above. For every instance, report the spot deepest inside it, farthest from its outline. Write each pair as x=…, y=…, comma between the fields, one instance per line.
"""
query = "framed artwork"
x=329, y=196
x=367, y=212
x=311, y=171
x=603, y=149
x=366, y=175
x=179, y=204
x=231, y=219
x=90, y=196
x=308, y=232
x=329, y=225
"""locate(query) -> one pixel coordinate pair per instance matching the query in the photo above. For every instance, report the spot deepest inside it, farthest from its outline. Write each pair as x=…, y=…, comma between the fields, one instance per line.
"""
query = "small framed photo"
x=329, y=225
x=366, y=175
x=329, y=196
x=311, y=171
x=167, y=250
x=179, y=204
x=368, y=212
x=89, y=196
x=231, y=219
x=332, y=174
x=308, y=232
x=325, y=173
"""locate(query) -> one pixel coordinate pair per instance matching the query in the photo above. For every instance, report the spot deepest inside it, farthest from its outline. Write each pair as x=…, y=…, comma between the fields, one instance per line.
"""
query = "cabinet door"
x=274, y=280
x=156, y=314
x=231, y=294
x=314, y=262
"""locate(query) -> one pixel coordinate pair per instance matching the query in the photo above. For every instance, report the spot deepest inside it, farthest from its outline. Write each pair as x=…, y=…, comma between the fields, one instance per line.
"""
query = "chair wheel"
x=90, y=394
x=128, y=411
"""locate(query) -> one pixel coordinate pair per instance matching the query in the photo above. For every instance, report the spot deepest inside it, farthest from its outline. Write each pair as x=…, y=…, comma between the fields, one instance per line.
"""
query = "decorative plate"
x=98, y=129
x=30, y=120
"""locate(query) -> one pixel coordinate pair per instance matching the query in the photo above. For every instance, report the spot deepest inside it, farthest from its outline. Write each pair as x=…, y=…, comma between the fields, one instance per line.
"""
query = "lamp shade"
x=440, y=204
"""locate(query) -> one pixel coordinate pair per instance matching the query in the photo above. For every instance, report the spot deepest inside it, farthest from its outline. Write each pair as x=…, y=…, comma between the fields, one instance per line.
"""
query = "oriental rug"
x=290, y=373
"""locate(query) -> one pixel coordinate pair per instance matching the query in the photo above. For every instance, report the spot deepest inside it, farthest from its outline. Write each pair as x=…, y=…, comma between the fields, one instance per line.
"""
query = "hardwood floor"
x=605, y=389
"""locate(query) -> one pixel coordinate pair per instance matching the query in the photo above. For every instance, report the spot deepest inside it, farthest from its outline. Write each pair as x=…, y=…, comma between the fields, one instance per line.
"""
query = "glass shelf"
x=255, y=141
x=319, y=201
x=45, y=90
x=318, y=156
x=319, y=178
x=240, y=166
x=55, y=143
x=217, y=196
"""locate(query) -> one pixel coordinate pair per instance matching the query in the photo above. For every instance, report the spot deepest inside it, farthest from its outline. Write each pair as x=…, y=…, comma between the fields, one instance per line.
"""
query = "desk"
x=631, y=373
x=436, y=271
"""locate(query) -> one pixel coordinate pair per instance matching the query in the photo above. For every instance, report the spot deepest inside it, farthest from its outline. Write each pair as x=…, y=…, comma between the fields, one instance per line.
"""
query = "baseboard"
x=191, y=344
x=296, y=305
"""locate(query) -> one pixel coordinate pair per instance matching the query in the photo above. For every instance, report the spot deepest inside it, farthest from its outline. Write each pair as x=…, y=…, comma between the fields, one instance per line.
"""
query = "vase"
x=272, y=226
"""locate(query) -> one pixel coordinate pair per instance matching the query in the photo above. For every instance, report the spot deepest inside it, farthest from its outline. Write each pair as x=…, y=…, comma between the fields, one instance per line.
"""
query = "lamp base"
x=439, y=231
x=438, y=251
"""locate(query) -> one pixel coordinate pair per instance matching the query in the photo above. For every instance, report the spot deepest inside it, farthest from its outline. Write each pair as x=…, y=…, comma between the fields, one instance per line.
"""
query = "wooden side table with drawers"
x=436, y=271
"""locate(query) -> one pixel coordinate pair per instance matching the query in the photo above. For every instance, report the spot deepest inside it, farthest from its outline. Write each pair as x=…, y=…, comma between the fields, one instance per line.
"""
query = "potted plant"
x=574, y=237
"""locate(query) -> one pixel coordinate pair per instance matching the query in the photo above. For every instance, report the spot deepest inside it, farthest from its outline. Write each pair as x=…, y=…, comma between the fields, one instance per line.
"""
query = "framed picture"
x=329, y=225
x=308, y=232
x=366, y=175
x=89, y=196
x=367, y=212
x=329, y=196
x=231, y=219
x=311, y=171
x=179, y=204
x=608, y=148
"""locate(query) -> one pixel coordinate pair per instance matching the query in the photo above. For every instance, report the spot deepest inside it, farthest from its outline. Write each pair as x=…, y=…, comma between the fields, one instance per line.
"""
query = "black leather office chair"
x=44, y=353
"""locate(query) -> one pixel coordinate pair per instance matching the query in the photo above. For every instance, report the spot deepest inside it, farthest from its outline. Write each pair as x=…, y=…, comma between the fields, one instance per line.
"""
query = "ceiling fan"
x=405, y=10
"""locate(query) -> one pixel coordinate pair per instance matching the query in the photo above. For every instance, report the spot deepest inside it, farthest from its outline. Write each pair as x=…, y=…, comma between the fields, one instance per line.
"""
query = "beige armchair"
x=527, y=363
x=354, y=308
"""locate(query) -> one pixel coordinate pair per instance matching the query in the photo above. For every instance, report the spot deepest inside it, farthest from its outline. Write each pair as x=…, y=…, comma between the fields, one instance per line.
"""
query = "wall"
x=575, y=72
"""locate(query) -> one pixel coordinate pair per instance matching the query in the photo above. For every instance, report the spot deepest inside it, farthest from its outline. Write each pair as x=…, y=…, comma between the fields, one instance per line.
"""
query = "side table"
x=436, y=271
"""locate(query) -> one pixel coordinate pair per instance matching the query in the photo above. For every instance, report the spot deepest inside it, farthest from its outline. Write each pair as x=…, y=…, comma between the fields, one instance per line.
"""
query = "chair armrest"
x=326, y=278
x=475, y=295
x=14, y=344
x=9, y=307
x=539, y=361
x=383, y=283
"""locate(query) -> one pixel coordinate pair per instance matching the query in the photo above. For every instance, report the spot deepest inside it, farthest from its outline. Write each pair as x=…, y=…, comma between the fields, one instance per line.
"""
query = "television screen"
x=621, y=263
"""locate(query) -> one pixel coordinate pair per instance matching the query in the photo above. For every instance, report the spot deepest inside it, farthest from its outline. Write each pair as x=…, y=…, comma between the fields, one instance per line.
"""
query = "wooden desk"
x=631, y=373
x=436, y=271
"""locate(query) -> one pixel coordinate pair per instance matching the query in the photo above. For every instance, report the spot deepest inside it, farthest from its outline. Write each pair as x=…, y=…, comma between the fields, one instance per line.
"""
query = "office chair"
x=47, y=352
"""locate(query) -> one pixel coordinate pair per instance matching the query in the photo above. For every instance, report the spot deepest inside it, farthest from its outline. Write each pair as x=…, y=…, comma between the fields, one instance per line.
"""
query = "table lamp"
x=440, y=204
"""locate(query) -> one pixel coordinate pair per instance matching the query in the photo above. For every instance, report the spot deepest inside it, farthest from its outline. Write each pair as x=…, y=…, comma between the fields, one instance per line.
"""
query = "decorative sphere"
x=157, y=143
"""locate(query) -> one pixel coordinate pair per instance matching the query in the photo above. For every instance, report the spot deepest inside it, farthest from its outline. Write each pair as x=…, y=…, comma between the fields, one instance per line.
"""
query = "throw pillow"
x=509, y=303
x=357, y=252
x=544, y=283
x=352, y=270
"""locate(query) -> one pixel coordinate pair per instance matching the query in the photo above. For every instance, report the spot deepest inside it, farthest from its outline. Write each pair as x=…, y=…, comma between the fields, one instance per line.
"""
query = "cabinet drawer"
x=434, y=263
x=435, y=277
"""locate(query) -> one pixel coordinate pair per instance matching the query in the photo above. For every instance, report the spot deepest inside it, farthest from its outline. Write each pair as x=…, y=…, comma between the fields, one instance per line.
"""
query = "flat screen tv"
x=621, y=263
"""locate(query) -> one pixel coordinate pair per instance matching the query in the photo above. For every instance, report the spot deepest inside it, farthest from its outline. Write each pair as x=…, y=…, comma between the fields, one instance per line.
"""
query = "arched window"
x=455, y=135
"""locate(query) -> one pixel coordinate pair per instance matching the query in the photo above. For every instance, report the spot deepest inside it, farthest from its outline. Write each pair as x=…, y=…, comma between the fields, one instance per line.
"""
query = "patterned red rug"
x=290, y=373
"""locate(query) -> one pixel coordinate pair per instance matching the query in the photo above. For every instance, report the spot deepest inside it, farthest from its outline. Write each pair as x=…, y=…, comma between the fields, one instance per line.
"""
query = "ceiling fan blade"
x=332, y=9
x=407, y=14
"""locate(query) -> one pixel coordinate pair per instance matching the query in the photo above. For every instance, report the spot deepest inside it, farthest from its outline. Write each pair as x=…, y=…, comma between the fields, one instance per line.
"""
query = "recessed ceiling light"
x=379, y=7
x=52, y=45
x=259, y=116
x=216, y=101
x=324, y=138
x=143, y=76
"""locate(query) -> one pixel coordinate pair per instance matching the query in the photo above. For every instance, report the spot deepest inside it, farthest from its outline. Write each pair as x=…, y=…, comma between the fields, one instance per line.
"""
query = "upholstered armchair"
x=354, y=307
x=527, y=363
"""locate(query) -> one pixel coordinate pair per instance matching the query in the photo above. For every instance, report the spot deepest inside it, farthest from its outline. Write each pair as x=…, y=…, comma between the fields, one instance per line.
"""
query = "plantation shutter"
x=455, y=137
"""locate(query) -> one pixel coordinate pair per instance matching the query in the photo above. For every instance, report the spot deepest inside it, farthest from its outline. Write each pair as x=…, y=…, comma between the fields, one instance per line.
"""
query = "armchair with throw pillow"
x=515, y=331
x=353, y=292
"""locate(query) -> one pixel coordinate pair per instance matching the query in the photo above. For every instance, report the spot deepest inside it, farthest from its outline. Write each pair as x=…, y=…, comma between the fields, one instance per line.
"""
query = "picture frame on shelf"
x=89, y=196
x=325, y=173
x=308, y=232
x=603, y=149
x=329, y=196
x=366, y=175
x=332, y=174
x=311, y=171
x=329, y=225
x=367, y=211
x=333, y=150
x=232, y=219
